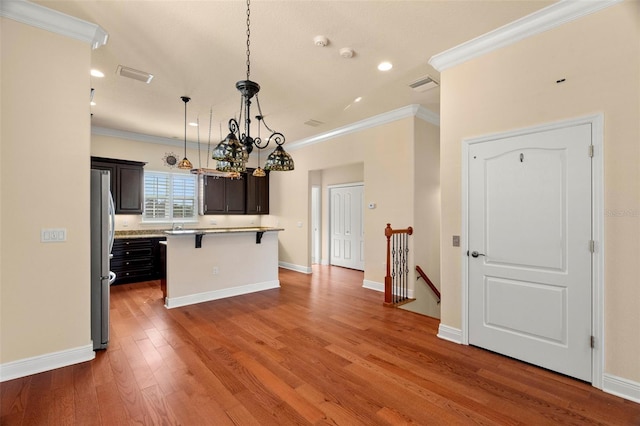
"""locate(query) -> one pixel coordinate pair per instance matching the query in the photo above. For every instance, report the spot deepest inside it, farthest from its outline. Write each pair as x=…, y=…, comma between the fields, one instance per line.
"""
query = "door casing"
x=597, y=228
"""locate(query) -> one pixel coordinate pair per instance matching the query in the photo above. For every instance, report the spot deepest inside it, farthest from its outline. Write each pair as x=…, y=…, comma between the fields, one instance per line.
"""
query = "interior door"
x=529, y=258
x=315, y=224
x=347, y=226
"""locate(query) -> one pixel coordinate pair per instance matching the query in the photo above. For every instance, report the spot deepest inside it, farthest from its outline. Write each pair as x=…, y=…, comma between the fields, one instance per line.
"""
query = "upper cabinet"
x=223, y=196
x=248, y=195
x=127, y=179
x=257, y=193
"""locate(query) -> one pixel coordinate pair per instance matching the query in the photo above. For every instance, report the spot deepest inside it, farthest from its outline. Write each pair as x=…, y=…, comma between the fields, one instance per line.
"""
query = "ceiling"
x=198, y=49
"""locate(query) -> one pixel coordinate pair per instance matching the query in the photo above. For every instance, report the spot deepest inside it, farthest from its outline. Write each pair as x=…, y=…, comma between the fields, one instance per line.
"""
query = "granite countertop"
x=161, y=233
x=201, y=231
x=141, y=233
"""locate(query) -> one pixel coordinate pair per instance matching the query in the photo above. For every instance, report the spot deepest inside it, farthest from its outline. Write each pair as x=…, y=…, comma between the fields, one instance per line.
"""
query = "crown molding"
x=54, y=21
x=538, y=22
x=417, y=111
x=140, y=137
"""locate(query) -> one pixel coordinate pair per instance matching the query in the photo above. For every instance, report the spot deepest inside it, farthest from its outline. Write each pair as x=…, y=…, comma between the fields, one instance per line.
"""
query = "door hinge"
x=591, y=151
x=593, y=342
x=592, y=246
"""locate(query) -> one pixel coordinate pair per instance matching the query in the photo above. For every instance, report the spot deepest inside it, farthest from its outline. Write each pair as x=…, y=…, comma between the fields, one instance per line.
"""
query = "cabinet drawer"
x=142, y=274
x=122, y=244
x=121, y=264
x=131, y=252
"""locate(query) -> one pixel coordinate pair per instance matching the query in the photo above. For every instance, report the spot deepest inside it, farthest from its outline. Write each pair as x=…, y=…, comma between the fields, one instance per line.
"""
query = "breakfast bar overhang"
x=210, y=264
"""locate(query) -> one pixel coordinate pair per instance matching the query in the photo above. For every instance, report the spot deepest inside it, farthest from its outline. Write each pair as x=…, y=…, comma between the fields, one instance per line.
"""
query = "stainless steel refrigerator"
x=102, y=232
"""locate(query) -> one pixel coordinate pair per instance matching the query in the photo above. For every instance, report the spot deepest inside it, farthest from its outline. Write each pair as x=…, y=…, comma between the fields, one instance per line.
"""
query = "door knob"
x=476, y=254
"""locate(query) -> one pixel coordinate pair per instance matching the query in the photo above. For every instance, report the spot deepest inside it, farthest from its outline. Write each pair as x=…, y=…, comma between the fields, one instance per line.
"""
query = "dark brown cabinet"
x=223, y=195
x=127, y=180
x=257, y=193
x=136, y=259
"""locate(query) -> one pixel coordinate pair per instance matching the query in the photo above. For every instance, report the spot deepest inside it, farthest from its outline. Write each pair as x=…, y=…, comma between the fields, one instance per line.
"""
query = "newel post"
x=387, y=279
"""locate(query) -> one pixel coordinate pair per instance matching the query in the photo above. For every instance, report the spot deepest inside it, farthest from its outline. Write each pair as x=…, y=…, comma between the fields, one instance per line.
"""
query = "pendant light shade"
x=279, y=161
x=185, y=164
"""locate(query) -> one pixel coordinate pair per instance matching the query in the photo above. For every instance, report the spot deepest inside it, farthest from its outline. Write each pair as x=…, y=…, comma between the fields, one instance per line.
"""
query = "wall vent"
x=123, y=71
x=313, y=123
x=423, y=84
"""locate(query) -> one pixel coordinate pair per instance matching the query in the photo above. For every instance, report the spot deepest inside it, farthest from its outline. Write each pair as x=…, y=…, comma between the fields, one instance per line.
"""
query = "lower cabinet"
x=136, y=259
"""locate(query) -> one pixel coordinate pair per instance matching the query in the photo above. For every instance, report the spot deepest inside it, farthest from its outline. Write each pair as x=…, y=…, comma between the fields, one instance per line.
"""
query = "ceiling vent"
x=313, y=123
x=142, y=76
x=423, y=84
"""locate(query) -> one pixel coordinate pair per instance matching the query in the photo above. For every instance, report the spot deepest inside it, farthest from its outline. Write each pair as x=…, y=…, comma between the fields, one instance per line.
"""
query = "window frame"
x=172, y=195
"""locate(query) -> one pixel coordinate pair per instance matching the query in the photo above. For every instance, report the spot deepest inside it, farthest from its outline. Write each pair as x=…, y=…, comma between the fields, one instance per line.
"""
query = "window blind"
x=169, y=196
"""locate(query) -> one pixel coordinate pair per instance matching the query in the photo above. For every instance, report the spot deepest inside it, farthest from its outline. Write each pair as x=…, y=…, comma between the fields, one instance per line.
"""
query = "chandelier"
x=232, y=153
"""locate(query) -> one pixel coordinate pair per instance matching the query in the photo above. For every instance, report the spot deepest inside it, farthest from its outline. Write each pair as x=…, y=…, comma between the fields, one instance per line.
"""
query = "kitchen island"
x=210, y=264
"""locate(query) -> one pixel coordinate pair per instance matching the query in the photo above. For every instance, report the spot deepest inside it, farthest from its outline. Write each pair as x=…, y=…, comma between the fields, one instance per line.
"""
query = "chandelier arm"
x=262, y=115
x=233, y=126
x=278, y=138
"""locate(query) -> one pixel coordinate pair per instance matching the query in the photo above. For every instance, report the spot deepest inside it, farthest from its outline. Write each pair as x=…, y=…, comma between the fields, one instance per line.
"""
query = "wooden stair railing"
x=427, y=281
x=396, y=280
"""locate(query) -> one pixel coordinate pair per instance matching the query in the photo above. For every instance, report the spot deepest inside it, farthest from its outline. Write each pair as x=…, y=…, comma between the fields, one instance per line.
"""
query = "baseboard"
x=449, y=333
x=297, y=268
x=624, y=388
x=175, y=302
x=51, y=361
x=324, y=261
x=373, y=285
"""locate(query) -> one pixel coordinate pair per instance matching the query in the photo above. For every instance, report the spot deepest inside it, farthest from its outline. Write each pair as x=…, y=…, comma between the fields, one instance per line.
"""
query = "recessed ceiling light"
x=358, y=99
x=385, y=66
x=193, y=124
x=92, y=103
x=97, y=73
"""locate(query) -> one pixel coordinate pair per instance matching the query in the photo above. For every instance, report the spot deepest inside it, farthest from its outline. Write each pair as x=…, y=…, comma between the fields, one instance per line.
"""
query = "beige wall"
x=426, y=221
x=44, y=171
x=387, y=154
x=153, y=154
x=515, y=87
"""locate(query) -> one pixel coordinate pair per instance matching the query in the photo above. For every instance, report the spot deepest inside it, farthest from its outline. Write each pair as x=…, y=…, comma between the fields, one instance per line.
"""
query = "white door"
x=530, y=228
x=347, y=232
x=315, y=224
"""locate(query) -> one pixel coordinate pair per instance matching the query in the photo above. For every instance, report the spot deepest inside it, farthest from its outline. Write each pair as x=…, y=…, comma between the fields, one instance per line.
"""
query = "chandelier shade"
x=279, y=161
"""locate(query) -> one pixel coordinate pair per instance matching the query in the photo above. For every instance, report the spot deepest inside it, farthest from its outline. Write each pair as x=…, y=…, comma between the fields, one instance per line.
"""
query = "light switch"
x=53, y=235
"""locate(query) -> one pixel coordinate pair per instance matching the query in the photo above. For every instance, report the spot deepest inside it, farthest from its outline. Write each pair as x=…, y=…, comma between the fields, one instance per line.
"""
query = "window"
x=169, y=197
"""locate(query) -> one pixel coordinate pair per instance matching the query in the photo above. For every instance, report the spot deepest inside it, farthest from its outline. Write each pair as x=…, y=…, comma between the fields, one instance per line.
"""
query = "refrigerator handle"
x=112, y=218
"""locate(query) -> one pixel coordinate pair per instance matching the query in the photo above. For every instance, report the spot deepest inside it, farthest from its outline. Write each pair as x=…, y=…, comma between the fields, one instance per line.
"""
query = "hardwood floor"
x=320, y=350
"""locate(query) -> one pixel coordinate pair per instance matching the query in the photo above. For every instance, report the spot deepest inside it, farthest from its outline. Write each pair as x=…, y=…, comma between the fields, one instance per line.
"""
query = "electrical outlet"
x=216, y=271
x=213, y=222
x=456, y=241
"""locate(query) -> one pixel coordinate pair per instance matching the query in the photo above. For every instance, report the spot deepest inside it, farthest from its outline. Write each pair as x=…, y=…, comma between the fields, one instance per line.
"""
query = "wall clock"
x=170, y=159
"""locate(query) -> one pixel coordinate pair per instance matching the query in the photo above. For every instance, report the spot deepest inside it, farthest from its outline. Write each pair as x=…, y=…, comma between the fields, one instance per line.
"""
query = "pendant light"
x=232, y=153
x=185, y=164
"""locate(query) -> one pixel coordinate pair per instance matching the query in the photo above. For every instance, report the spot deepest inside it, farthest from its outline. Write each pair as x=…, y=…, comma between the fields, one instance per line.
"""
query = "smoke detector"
x=423, y=84
x=320, y=41
x=346, y=52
